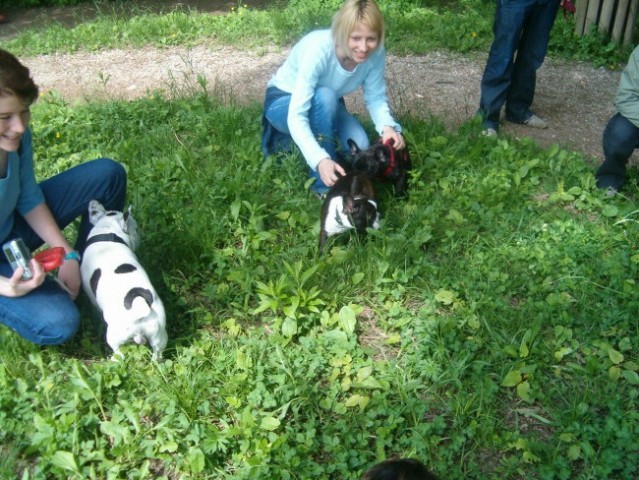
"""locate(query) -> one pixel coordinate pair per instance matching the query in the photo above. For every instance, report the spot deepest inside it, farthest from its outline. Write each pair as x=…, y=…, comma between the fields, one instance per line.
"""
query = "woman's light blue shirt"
x=313, y=63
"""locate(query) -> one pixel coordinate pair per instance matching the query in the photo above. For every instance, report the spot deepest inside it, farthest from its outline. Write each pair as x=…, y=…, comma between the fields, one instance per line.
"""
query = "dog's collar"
x=391, y=165
x=105, y=237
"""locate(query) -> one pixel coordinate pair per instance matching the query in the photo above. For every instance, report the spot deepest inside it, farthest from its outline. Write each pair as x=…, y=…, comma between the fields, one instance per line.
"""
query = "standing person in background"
x=39, y=309
x=304, y=99
x=621, y=135
x=521, y=32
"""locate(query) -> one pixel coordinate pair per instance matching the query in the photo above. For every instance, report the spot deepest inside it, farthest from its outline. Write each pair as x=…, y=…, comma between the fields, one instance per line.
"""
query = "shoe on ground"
x=535, y=122
x=320, y=195
x=489, y=132
x=610, y=182
x=611, y=192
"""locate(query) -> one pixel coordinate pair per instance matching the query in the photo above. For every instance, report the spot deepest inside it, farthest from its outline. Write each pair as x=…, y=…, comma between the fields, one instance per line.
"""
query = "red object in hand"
x=568, y=7
x=51, y=258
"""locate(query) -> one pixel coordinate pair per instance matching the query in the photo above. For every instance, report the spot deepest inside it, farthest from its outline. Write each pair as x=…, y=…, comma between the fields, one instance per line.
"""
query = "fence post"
x=630, y=22
x=620, y=20
x=605, y=16
x=591, y=15
x=616, y=18
x=580, y=16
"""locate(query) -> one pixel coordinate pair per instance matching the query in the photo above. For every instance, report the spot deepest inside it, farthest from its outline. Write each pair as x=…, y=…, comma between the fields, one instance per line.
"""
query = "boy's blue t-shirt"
x=19, y=190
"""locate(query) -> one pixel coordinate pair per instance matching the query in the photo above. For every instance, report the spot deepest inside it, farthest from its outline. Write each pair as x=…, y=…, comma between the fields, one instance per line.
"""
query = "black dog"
x=382, y=161
x=401, y=468
x=349, y=204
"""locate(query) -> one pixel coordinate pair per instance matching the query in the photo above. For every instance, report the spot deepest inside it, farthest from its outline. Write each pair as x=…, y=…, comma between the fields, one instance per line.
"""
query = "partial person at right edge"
x=621, y=135
x=521, y=31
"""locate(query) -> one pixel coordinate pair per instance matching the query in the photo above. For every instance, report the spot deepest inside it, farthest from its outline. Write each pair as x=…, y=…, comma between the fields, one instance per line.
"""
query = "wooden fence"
x=612, y=17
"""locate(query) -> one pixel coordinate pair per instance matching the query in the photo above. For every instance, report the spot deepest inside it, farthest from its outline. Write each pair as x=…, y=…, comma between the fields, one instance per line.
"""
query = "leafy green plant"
x=488, y=328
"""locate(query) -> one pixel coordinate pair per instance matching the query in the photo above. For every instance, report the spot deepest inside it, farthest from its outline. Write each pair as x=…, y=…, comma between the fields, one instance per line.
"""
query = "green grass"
x=489, y=328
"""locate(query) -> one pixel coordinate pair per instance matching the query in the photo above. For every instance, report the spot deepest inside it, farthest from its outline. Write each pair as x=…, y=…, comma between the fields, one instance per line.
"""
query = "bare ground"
x=575, y=98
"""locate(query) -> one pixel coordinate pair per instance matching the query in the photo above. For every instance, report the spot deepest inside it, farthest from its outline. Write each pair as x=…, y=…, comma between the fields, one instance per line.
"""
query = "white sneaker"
x=489, y=132
x=611, y=192
x=535, y=122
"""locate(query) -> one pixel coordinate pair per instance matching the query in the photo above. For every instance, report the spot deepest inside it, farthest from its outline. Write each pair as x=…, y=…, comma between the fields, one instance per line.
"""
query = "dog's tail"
x=138, y=301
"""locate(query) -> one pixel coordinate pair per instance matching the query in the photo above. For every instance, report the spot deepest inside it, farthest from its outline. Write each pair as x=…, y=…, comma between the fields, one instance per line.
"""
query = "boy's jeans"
x=47, y=315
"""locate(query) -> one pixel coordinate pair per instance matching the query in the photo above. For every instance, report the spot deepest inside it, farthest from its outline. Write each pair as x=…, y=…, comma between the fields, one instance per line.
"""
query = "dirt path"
x=575, y=98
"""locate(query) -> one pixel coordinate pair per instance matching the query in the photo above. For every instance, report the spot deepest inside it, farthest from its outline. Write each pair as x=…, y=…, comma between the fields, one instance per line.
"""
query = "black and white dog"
x=117, y=284
x=349, y=204
x=382, y=161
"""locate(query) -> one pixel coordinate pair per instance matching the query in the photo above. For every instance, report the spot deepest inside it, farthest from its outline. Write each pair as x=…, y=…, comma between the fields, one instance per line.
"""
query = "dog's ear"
x=383, y=154
x=353, y=146
x=96, y=211
x=127, y=214
x=349, y=204
x=129, y=225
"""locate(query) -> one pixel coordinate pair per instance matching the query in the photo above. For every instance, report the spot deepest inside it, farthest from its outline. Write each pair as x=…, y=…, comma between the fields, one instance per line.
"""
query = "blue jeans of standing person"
x=48, y=315
x=521, y=28
x=620, y=138
x=329, y=120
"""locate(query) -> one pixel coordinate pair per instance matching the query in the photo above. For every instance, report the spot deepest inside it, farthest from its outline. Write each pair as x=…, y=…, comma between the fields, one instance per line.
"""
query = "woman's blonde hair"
x=352, y=13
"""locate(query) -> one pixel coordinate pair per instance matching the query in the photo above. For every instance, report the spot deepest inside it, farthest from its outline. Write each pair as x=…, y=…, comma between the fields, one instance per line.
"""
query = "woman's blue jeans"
x=520, y=27
x=329, y=120
x=47, y=315
x=620, y=138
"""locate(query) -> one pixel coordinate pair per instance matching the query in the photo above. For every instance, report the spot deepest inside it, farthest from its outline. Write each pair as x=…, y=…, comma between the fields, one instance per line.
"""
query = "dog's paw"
x=157, y=357
x=96, y=211
x=117, y=356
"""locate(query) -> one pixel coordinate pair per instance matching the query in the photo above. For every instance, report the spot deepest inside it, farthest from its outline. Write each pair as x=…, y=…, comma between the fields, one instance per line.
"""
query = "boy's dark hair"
x=15, y=79
x=400, y=469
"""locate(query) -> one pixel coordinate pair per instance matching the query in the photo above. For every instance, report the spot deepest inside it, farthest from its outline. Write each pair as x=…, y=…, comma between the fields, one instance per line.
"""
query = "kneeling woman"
x=304, y=99
x=39, y=309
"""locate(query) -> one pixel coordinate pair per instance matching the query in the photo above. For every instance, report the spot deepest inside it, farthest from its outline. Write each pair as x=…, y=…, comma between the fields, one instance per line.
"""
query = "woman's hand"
x=329, y=171
x=389, y=133
x=69, y=275
x=16, y=287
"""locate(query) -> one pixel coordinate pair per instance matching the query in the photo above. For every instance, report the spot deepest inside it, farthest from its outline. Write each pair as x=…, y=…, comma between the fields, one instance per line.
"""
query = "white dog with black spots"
x=117, y=284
